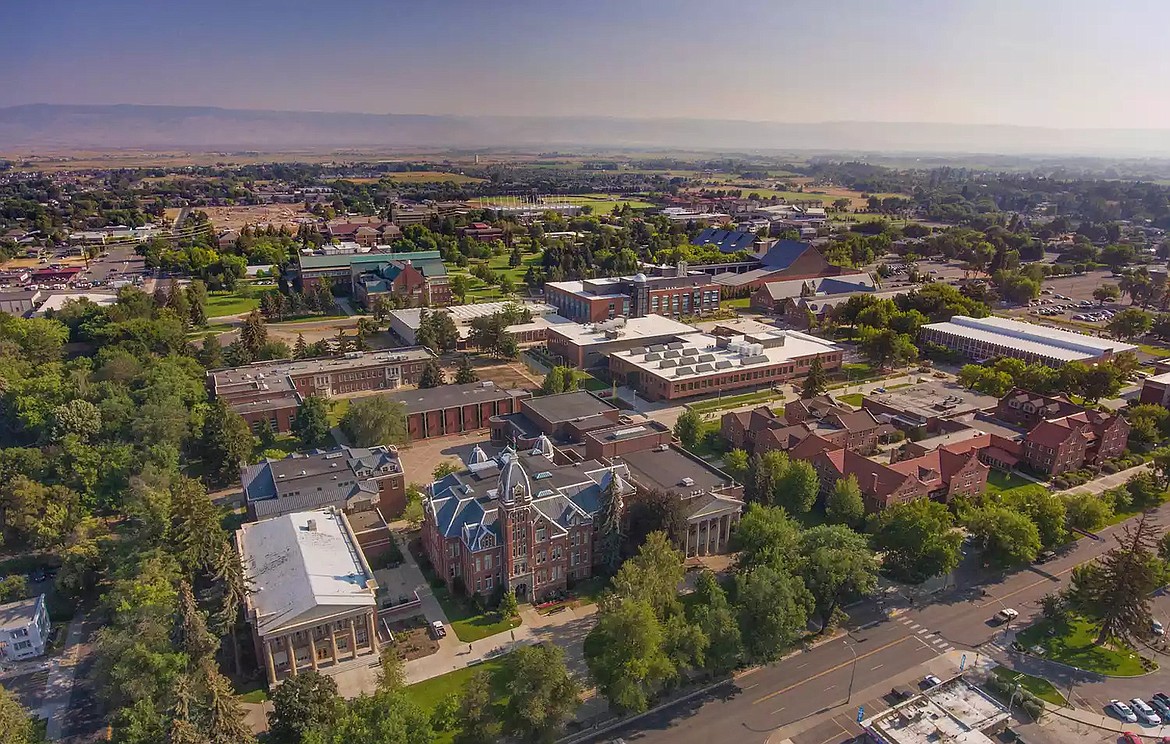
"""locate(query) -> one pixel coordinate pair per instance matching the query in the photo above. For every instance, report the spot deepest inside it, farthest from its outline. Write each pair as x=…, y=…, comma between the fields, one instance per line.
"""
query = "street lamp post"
x=852, y=673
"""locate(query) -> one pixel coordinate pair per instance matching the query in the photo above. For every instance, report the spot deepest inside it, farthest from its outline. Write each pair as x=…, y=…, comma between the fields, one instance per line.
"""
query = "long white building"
x=987, y=338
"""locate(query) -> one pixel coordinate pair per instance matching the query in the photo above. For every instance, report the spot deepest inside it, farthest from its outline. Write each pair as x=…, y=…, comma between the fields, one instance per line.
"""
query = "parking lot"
x=1068, y=301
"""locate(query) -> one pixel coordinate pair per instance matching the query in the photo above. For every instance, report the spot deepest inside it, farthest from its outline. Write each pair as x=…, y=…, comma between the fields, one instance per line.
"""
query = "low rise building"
x=413, y=281
x=19, y=302
x=780, y=297
x=954, y=711
x=761, y=430
x=346, y=264
x=313, y=601
x=1068, y=443
x=676, y=292
x=24, y=628
x=347, y=478
x=587, y=345
x=1156, y=390
x=454, y=409
x=702, y=364
x=920, y=409
x=406, y=322
x=987, y=338
x=566, y=417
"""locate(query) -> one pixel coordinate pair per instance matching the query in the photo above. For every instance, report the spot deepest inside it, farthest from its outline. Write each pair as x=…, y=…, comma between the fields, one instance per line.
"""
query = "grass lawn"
x=740, y=302
x=588, y=591
x=1001, y=482
x=430, y=692
x=1038, y=686
x=282, y=446
x=710, y=444
x=735, y=401
x=220, y=304
x=1155, y=351
x=853, y=399
x=430, y=177
x=255, y=696
x=859, y=371
x=313, y=319
x=337, y=409
x=467, y=624
x=594, y=385
x=1075, y=644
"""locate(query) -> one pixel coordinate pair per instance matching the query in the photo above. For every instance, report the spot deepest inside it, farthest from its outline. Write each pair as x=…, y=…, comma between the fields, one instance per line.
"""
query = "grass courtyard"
x=430, y=692
x=735, y=401
x=468, y=623
x=1005, y=483
x=1075, y=643
x=222, y=304
x=1038, y=686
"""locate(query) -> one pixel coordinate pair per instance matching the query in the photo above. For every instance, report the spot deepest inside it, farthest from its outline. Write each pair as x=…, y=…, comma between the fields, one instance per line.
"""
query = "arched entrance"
x=521, y=592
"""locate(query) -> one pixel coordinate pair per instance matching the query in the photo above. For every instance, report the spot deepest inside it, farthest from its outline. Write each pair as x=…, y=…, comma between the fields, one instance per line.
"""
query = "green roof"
x=349, y=259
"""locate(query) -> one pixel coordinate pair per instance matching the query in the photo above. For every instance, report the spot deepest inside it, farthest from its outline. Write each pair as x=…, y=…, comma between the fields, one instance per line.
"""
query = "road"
x=804, y=697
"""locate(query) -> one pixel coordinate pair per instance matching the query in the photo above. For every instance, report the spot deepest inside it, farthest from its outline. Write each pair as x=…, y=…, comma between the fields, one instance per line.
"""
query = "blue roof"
x=837, y=286
x=783, y=253
x=728, y=241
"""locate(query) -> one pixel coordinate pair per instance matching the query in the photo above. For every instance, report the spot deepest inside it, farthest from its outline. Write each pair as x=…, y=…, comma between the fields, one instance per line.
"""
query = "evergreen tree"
x=227, y=443
x=515, y=259
x=610, y=527
x=464, y=374
x=817, y=380
x=311, y=424
x=211, y=355
x=254, y=334
x=432, y=375
x=177, y=302
x=197, y=303
x=300, y=348
x=1121, y=587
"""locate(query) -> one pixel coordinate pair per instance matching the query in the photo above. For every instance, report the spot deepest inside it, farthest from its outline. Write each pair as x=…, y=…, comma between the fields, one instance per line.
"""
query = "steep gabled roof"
x=784, y=253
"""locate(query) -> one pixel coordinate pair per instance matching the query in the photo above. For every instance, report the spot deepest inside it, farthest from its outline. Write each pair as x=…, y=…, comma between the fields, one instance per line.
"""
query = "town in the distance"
x=608, y=448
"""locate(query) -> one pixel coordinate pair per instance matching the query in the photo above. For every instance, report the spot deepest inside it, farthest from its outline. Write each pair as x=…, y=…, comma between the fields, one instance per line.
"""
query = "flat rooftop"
x=698, y=354
x=448, y=396
x=1047, y=341
x=272, y=372
x=577, y=287
x=955, y=711
x=464, y=314
x=650, y=326
x=667, y=470
x=57, y=301
x=568, y=406
x=935, y=399
x=20, y=612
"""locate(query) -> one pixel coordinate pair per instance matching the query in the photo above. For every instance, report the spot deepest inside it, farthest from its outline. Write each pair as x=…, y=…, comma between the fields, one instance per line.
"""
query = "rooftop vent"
x=688, y=481
x=311, y=525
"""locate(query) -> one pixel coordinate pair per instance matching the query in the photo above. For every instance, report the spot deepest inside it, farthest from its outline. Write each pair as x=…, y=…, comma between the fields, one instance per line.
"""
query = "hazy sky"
x=1062, y=63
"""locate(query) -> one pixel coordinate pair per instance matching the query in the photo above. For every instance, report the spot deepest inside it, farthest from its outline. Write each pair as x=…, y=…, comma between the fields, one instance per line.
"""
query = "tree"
x=609, y=525
x=838, y=565
x=1120, y=588
x=685, y=644
x=764, y=474
x=253, y=335
x=197, y=303
x=15, y=721
x=886, y=347
x=509, y=607
x=713, y=615
x=1087, y=511
x=687, y=428
x=798, y=488
x=301, y=704
x=1006, y=537
x=464, y=374
x=432, y=375
x=78, y=417
x=1106, y=292
x=560, y=380
x=650, y=510
x=391, y=669
x=414, y=512
x=766, y=536
x=735, y=464
x=375, y=420
x=311, y=424
x=515, y=259
x=817, y=380
x=625, y=656
x=844, y=504
x=437, y=331
x=475, y=721
x=13, y=587
x=1046, y=510
x=918, y=539
x=377, y=719
x=460, y=286
x=227, y=443
x=1130, y=323
x=541, y=693
x=773, y=611
x=653, y=575
x=445, y=468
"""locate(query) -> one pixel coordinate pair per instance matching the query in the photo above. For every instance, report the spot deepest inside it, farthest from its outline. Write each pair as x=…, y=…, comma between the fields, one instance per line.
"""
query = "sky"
x=1055, y=63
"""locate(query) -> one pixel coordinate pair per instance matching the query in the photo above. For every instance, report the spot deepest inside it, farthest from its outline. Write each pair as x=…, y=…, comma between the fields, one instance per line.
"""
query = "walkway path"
x=59, y=686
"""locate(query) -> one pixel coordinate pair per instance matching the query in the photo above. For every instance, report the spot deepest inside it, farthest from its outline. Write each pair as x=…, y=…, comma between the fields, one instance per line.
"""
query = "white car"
x=437, y=629
x=1006, y=615
x=1157, y=628
x=931, y=681
x=1123, y=711
x=1144, y=712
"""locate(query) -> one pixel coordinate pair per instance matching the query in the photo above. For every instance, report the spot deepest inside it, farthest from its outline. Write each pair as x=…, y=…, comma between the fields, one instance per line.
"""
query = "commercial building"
x=988, y=338
x=24, y=628
x=347, y=478
x=273, y=391
x=677, y=292
x=454, y=409
x=55, y=302
x=406, y=322
x=19, y=302
x=404, y=214
x=955, y=711
x=313, y=602
x=588, y=345
x=700, y=364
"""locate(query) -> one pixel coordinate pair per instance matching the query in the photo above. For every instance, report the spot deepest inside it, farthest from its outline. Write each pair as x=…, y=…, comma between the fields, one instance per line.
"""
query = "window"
x=540, y=534
x=487, y=560
x=22, y=645
x=20, y=633
x=488, y=582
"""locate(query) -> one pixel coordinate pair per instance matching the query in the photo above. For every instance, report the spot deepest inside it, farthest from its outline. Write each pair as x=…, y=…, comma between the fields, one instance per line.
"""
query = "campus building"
x=418, y=282
x=954, y=711
x=783, y=260
x=588, y=345
x=1156, y=390
x=987, y=338
x=349, y=265
x=24, y=628
x=348, y=478
x=761, y=430
x=676, y=292
x=405, y=323
x=313, y=601
x=454, y=409
x=701, y=364
x=273, y=391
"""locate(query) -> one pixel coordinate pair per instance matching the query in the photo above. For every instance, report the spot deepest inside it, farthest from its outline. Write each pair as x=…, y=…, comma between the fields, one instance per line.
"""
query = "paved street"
x=802, y=695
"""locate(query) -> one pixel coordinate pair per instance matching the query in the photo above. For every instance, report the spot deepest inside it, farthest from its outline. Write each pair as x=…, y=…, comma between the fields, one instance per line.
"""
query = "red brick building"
x=482, y=232
x=353, y=479
x=674, y=293
x=454, y=409
x=761, y=430
x=1069, y=443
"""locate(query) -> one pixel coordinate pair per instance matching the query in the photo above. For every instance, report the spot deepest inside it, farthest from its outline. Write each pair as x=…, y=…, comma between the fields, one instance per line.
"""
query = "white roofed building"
x=987, y=338
x=312, y=598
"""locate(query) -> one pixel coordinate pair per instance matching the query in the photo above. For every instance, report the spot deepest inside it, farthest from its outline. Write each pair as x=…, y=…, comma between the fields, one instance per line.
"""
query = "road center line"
x=879, y=666
x=830, y=670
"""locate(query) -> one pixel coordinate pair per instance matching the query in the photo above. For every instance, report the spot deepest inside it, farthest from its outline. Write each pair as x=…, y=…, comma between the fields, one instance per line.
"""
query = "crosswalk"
x=926, y=636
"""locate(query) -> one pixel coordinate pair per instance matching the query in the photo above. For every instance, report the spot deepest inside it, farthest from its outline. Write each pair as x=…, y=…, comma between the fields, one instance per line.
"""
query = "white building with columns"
x=312, y=600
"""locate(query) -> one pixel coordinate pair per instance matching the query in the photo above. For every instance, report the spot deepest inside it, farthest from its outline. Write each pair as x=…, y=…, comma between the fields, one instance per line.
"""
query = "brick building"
x=454, y=409
x=366, y=232
x=674, y=293
x=566, y=417
x=1025, y=409
x=988, y=338
x=421, y=283
x=1156, y=390
x=587, y=345
x=273, y=391
x=1059, y=445
x=761, y=430
x=349, y=478
x=345, y=265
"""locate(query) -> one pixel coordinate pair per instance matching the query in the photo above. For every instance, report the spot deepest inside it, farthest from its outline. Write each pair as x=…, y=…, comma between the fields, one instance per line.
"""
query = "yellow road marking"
x=996, y=598
x=842, y=665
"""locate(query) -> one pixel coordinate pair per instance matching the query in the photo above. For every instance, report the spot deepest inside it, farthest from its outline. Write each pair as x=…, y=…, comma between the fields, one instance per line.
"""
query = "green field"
x=430, y=692
x=853, y=399
x=1155, y=351
x=467, y=623
x=1038, y=686
x=430, y=177
x=739, y=302
x=999, y=482
x=735, y=401
x=1075, y=644
x=220, y=304
x=601, y=203
x=337, y=409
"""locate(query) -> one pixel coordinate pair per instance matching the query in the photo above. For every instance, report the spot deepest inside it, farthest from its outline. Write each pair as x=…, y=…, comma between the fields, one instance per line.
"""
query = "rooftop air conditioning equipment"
x=311, y=525
x=662, y=448
x=688, y=481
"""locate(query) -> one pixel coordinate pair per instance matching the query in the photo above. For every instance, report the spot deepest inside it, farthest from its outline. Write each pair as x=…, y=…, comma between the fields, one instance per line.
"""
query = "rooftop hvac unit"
x=688, y=481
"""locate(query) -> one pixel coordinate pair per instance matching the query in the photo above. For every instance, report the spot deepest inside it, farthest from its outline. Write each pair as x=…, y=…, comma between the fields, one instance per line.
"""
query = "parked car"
x=437, y=629
x=1144, y=712
x=1161, y=704
x=1157, y=627
x=1122, y=711
x=1045, y=556
x=930, y=681
x=1006, y=615
x=1130, y=737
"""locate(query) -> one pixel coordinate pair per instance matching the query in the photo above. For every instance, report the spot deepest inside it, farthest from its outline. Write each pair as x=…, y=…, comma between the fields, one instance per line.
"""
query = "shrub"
x=1109, y=468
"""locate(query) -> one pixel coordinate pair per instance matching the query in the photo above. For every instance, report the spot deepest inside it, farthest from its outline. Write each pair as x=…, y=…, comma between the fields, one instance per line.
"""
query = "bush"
x=437, y=583
x=1109, y=468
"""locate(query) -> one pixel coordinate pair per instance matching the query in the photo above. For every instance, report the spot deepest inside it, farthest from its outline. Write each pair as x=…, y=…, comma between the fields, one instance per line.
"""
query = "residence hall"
x=24, y=628
x=588, y=345
x=784, y=260
x=313, y=602
x=454, y=409
x=344, y=265
x=566, y=417
x=760, y=430
x=942, y=474
x=348, y=478
x=365, y=231
x=675, y=292
x=525, y=519
x=405, y=323
x=987, y=338
x=1062, y=436
x=701, y=364
x=273, y=391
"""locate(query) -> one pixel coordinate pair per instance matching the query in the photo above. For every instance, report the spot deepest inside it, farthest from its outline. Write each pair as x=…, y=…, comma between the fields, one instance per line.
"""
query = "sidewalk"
x=59, y=686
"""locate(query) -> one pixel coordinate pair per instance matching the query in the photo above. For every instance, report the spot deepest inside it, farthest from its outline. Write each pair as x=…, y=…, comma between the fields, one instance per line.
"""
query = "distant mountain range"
x=55, y=127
